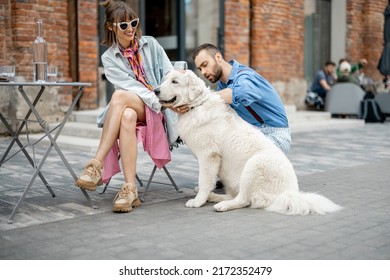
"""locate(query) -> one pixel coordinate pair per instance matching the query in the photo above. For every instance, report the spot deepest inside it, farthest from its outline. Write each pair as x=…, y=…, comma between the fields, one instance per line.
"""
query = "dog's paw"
x=193, y=203
x=221, y=207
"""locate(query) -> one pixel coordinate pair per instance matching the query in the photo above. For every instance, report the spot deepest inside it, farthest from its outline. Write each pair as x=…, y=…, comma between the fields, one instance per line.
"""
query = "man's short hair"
x=209, y=48
x=330, y=63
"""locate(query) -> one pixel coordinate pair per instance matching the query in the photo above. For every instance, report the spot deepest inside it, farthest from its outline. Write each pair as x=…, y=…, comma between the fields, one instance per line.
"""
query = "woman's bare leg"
x=128, y=144
x=127, y=197
x=112, y=125
x=126, y=109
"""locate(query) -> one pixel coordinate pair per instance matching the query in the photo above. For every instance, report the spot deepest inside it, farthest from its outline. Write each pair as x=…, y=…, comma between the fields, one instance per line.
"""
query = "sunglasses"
x=125, y=25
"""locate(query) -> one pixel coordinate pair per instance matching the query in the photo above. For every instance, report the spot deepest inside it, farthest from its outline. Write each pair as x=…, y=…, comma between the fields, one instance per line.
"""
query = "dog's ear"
x=195, y=85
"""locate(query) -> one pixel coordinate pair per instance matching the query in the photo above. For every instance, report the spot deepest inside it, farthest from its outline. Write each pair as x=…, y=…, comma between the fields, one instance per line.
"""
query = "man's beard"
x=217, y=76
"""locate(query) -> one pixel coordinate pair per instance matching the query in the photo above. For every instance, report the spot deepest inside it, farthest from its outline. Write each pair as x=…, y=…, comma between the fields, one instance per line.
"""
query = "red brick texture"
x=237, y=30
x=269, y=37
x=88, y=51
x=277, y=38
x=365, y=33
x=5, y=32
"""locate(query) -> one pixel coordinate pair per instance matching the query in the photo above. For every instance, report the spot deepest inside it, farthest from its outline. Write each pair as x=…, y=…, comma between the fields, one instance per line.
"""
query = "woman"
x=134, y=64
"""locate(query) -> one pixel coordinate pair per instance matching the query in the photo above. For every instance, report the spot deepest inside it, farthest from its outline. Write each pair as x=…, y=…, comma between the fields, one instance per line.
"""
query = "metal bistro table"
x=48, y=133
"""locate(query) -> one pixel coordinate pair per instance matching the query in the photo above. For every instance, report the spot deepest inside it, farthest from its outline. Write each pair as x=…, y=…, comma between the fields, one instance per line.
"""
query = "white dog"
x=253, y=170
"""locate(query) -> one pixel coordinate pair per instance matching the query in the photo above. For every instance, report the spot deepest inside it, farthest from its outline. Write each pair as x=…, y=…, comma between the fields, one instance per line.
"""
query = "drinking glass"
x=7, y=73
x=52, y=72
x=180, y=65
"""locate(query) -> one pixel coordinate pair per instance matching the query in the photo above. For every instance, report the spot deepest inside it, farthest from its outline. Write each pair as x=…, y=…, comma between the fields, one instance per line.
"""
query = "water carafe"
x=40, y=55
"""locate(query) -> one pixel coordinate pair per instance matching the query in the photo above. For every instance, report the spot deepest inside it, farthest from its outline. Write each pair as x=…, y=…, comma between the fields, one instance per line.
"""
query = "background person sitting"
x=355, y=68
x=322, y=83
x=345, y=76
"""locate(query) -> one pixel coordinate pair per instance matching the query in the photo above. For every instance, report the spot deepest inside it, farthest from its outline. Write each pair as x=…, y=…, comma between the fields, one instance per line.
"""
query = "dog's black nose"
x=157, y=91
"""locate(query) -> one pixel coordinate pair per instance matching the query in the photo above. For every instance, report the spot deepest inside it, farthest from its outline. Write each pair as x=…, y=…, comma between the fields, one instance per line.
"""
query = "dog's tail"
x=300, y=203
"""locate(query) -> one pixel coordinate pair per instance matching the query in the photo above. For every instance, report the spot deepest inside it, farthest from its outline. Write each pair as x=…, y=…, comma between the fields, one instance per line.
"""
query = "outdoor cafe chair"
x=344, y=99
x=383, y=100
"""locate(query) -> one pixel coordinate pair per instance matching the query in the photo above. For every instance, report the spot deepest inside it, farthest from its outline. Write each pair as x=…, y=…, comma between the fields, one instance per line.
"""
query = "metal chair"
x=149, y=181
x=173, y=183
x=109, y=180
x=344, y=99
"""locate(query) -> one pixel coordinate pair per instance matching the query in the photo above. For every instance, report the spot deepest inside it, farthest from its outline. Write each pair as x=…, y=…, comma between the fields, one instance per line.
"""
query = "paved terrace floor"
x=351, y=167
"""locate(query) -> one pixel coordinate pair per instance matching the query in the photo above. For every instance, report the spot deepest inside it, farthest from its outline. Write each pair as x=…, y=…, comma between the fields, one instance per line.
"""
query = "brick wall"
x=237, y=30
x=365, y=33
x=5, y=32
x=277, y=38
x=55, y=26
x=268, y=36
x=88, y=51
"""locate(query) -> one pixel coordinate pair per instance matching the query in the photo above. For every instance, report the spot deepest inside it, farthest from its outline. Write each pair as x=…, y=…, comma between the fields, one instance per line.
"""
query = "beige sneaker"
x=126, y=199
x=92, y=176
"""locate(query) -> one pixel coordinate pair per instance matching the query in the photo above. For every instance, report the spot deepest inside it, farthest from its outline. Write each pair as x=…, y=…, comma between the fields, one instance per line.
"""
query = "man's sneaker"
x=91, y=177
x=126, y=199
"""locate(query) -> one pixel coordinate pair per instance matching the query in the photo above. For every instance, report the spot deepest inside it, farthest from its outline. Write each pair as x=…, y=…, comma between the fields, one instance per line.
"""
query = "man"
x=344, y=73
x=324, y=80
x=354, y=67
x=248, y=93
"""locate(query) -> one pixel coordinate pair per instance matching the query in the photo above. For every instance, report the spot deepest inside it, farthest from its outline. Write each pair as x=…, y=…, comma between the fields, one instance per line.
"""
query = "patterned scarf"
x=134, y=57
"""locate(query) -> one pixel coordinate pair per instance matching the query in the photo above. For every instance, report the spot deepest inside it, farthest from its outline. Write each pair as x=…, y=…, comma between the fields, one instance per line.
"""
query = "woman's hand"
x=181, y=109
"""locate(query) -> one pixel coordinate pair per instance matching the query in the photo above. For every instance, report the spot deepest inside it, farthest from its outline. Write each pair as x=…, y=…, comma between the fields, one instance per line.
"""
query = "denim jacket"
x=118, y=71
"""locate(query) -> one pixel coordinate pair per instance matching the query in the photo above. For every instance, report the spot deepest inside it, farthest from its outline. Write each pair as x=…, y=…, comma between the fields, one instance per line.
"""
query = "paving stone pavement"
x=349, y=166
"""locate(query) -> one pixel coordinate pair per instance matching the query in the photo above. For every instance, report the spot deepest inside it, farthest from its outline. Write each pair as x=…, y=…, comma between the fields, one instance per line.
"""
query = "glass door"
x=181, y=25
x=161, y=22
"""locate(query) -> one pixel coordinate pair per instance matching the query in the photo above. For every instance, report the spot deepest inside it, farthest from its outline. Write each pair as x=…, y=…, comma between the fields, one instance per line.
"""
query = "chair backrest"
x=344, y=98
x=383, y=100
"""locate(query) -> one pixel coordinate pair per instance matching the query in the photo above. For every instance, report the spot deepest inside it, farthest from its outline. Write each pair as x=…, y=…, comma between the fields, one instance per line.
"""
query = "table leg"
x=15, y=138
x=37, y=170
x=16, y=135
x=26, y=154
x=53, y=143
x=52, y=139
